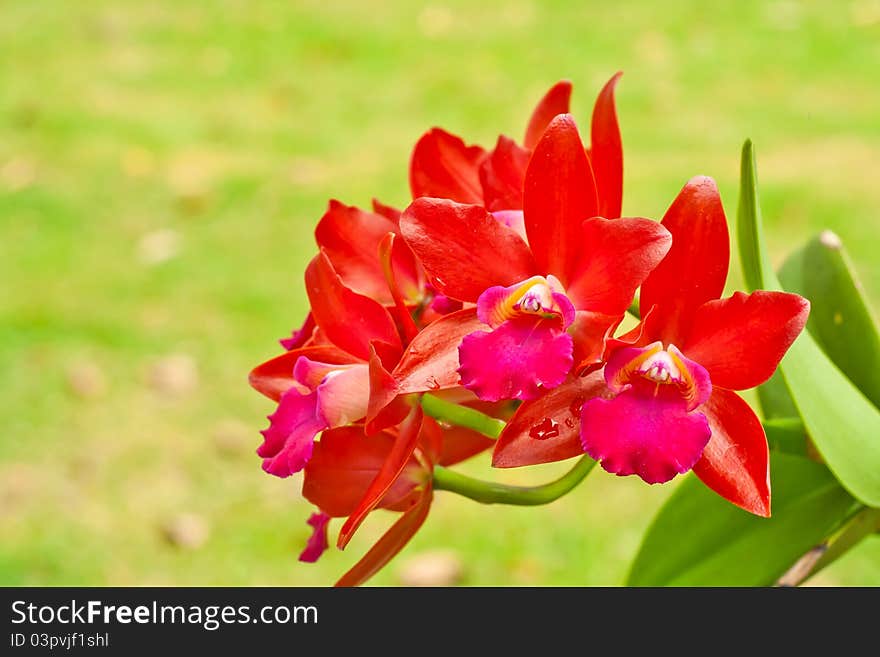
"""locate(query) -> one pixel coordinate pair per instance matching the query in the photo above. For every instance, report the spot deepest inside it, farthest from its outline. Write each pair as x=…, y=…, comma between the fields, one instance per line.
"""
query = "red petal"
x=385, y=408
x=590, y=332
x=391, y=250
x=274, y=377
x=299, y=337
x=343, y=465
x=350, y=320
x=548, y=428
x=695, y=269
x=350, y=238
x=392, y=542
x=616, y=256
x=390, y=213
x=460, y=444
x=442, y=166
x=464, y=249
x=559, y=194
x=606, y=152
x=431, y=360
x=556, y=101
x=390, y=471
x=740, y=340
x=736, y=462
x=502, y=175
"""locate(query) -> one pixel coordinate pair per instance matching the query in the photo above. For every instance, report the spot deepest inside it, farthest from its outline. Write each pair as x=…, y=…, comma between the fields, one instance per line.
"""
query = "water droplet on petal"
x=432, y=383
x=576, y=405
x=569, y=423
x=546, y=428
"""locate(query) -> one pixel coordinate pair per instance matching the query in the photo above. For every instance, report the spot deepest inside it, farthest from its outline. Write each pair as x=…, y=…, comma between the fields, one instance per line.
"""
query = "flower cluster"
x=503, y=287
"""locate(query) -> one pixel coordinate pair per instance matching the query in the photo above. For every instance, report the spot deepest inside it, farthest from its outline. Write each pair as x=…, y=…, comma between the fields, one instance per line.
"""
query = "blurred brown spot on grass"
x=433, y=568
x=187, y=531
x=175, y=375
x=86, y=380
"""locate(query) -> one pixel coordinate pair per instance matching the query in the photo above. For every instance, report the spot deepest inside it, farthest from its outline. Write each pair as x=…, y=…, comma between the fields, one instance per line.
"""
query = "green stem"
x=462, y=416
x=489, y=492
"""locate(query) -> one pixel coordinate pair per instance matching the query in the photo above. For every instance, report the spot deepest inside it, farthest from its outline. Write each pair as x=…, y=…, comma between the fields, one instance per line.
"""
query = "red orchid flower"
x=324, y=382
x=571, y=272
x=351, y=474
x=442, y=166
x=665, y=402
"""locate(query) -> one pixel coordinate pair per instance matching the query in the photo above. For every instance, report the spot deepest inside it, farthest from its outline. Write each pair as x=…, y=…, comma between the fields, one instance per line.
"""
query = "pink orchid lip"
x=537, y=296
x=527, y=348
x=658, y=366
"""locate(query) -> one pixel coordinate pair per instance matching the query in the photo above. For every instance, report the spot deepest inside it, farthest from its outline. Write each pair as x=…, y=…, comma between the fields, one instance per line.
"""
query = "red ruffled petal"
x=740, y=340
x=736, y=462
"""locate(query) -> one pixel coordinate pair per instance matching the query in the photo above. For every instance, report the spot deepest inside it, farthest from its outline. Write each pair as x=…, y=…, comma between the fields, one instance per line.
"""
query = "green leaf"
x=700, y=539
x=775, y=399
x=841, y=421
x=786, y=434
x=840, y=319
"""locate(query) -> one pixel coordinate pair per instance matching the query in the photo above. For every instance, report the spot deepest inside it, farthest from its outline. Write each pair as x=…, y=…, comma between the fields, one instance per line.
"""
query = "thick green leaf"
x=840, y=319
x=786, y=434
x=775, y=399
x=841, y=421
x=700, y=539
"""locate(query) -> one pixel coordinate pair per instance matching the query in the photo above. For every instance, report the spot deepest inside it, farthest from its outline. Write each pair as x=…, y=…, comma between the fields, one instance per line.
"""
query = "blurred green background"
x=162, y=166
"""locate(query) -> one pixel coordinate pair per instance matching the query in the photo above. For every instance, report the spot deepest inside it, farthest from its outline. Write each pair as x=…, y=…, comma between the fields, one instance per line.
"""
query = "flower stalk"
x=490, y=492
x=462, y=416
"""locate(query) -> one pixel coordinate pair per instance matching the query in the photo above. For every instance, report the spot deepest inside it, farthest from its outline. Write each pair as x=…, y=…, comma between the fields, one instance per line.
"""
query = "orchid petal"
x=350, y=238
x=463, y=248
x=275, y=377
x=444, y=167
x=736, y=462
x=615, y=257
x=559, y=194
x=637, y=432
x=740, y=340
x=344, y=464
x=606, y=151
x=547, y=429
x=289, y=439
x=390, y=544
x=343, y=395
x=502, y=175
x=695, y=269
x=516, y=360
x=317, y=543
x=349, y=319
x=556, y=101
x=301, y=335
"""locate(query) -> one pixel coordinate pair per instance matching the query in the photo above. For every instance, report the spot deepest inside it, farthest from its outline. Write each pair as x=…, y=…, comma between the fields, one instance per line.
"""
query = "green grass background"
x=231, y=123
